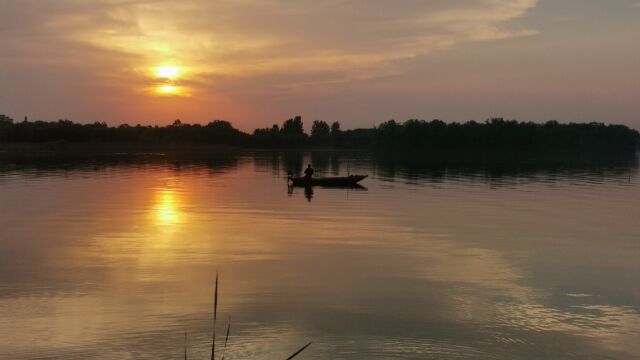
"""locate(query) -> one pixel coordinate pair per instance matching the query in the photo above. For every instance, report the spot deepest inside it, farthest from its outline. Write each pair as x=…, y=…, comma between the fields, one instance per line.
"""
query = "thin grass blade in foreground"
x=215, y=313
x=185, y=345
x=298, y=352
x=226, y=339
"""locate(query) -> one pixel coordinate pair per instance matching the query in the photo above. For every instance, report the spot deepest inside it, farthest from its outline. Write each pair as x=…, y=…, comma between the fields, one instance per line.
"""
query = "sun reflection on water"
x=167, y=211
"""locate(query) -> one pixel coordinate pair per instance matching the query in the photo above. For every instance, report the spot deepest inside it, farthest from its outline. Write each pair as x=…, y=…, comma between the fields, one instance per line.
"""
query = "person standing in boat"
x=308, y=172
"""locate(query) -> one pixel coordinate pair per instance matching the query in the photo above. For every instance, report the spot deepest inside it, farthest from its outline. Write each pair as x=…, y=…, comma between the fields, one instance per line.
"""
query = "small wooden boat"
x=343, y=181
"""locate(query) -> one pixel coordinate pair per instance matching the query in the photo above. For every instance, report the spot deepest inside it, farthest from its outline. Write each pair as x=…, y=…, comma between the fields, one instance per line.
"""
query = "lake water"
x=117, y=260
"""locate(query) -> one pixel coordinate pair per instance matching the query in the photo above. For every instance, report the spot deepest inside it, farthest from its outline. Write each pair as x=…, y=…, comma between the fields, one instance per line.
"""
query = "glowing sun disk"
x=168, y=89
x=168, y=72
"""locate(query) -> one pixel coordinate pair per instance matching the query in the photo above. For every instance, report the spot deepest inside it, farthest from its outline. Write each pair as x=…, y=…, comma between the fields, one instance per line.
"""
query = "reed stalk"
x=298, y=352
x=226, y=339
x=215, y=314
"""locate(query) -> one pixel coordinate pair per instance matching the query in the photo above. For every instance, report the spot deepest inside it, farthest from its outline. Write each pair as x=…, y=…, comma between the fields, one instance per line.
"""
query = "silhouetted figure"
x=308, y=172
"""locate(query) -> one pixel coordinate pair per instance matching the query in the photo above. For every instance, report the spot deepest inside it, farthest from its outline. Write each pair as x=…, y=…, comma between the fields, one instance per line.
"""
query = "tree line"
x=494, y=134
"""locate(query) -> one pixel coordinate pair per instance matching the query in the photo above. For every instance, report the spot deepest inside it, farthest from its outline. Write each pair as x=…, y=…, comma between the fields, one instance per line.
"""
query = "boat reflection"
x=308, y=190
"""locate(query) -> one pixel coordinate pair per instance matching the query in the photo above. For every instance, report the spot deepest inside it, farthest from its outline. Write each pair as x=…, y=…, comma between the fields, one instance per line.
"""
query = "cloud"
x=343, y=40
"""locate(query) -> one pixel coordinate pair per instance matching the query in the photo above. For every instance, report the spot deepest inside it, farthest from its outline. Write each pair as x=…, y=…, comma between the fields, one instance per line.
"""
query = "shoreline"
x=104, y=152
x=107, y=147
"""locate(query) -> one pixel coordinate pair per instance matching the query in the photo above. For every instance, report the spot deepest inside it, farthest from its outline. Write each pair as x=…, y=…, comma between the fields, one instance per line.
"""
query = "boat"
x=340, y=181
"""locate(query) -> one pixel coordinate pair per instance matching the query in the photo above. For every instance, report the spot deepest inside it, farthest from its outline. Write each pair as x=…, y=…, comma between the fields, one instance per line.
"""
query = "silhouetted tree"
x=5, y=119
x=293, y=126
x=320, y=129
x=335, y=128
x=495, y=134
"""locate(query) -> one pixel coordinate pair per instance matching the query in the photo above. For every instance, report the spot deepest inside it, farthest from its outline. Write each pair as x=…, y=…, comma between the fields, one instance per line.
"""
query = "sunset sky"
x=258, y=62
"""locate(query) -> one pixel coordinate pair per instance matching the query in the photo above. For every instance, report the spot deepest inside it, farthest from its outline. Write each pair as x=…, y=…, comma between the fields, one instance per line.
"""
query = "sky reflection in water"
x=117, y=261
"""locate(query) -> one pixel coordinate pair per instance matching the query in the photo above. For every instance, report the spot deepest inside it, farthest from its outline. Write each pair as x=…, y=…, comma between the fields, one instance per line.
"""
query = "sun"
x=168, y=90
x=167, y=79
x=168, y=72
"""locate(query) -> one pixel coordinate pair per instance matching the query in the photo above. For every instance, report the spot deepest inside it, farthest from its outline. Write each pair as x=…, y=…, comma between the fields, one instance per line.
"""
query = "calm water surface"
x=117, y=260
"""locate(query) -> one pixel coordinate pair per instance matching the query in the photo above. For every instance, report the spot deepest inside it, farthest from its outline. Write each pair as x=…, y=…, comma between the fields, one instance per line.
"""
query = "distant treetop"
x=6, y=119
